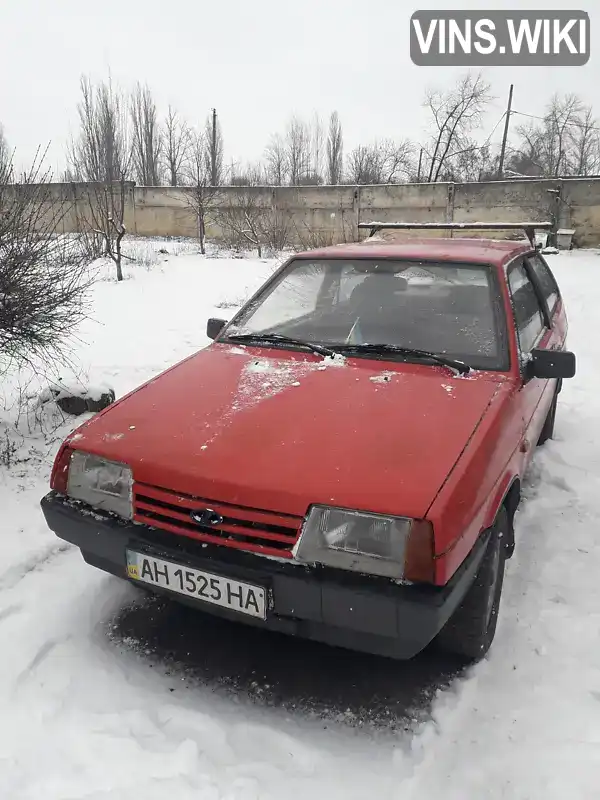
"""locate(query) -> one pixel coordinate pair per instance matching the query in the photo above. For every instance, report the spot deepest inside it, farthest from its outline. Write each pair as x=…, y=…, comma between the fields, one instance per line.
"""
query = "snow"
x=88, y=711
x=58, y=390
x=267, y=377
x=384, y=377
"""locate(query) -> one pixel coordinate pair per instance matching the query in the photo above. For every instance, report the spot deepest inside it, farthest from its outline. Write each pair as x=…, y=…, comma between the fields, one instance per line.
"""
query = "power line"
x=481, y=146
x=487, y=141
x=521, y=114
x=572, y=124
x=475, y=149
x=478, y=148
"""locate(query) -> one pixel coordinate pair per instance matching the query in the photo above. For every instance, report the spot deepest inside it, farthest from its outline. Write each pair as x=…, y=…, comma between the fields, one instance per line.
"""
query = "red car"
x=345, y=460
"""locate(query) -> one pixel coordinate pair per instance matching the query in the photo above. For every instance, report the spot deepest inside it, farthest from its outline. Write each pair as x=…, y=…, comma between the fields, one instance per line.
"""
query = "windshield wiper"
x=383, y=348
x=279, y=338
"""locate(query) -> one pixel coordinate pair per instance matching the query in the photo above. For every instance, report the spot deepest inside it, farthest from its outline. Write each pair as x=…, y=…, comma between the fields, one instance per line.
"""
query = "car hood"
x=280, y=430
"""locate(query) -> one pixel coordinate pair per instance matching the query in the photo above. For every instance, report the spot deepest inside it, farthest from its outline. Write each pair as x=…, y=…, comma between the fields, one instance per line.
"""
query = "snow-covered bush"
x=43, y=277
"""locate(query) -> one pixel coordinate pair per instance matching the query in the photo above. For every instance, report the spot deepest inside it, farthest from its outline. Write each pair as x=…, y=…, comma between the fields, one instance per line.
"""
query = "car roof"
x=473, y=251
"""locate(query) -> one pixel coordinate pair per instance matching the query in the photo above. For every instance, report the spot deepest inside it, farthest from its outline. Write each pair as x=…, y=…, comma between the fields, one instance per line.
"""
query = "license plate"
x=214, y=589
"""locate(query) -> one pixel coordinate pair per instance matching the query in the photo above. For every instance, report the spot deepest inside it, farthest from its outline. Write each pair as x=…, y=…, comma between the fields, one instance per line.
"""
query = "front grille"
x=242, y=528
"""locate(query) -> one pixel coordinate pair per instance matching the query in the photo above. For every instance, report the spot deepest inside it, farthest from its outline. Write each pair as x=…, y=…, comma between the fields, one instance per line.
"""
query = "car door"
x=534, y=331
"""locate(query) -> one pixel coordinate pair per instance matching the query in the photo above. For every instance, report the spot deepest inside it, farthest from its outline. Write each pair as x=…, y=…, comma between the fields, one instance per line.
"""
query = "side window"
x=528, y=312
x=546, y=280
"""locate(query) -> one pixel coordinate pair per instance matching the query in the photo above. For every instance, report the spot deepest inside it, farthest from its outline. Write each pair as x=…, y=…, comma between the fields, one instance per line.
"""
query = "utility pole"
x=505, y=135
x=419, y=167
x=213, y=150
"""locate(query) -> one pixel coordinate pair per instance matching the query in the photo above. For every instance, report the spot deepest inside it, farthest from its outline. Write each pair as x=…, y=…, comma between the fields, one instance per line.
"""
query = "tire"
x=470, y=631
x=547, y=431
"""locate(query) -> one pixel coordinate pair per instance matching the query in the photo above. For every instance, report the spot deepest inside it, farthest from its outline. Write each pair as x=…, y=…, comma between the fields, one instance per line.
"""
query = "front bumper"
x=339, y=608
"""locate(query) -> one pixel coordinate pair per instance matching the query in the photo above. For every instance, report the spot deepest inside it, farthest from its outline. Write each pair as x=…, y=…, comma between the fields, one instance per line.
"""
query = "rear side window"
x=528, y=312
x=546, y=281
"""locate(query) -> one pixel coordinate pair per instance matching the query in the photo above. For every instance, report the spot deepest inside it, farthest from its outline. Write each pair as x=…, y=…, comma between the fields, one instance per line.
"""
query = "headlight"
x=106, y=485
x=372, y=544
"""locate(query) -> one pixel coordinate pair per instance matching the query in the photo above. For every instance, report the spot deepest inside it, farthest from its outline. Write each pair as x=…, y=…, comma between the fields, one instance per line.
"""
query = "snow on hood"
x=264, y=378
x=284, y=430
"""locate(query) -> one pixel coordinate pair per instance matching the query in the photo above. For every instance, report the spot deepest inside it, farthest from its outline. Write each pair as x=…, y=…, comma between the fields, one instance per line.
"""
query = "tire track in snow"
x=10, y=611
x=41, y=655
x=36, y=562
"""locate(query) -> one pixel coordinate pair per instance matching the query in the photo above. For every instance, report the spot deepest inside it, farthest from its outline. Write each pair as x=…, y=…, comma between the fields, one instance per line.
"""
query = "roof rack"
x=528, y=227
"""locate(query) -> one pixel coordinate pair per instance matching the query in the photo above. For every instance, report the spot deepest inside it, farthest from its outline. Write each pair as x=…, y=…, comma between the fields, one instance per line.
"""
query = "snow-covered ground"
x=86, y=711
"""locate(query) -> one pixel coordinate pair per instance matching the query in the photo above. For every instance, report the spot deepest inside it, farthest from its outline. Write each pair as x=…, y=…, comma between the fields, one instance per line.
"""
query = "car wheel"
x=547, y=431
x=470, y=630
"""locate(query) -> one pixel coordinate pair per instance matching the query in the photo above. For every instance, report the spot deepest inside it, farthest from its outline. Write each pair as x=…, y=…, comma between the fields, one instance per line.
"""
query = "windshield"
x=445, y=308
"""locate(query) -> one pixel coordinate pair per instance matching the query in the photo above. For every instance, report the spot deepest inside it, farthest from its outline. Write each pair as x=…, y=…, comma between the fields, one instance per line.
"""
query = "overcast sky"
x=257, y=62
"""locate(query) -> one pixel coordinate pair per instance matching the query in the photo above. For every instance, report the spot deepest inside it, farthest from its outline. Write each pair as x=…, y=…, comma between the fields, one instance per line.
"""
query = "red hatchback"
x=345, y=460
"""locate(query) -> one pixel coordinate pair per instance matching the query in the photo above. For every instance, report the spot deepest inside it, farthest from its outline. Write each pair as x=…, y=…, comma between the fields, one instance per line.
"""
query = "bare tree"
x=213, y=143
x=380, y=162
x=298, y=150
x=5, y=158
x=318, y=151
x=101, y=155
x=203, y=197
x=311, y=237
x=554, y=135
x=585, y=144
x=526, y=159
x=68, y=175
x=249, y=219
x=252, y=174
x=146, y=137
x=564, y=142
x=472, y=163
x=362, y=165
x=107, y=205
x=335, y=150
x=101, y=150
x=177, y=141
x=277, y=229
x=455, y=114
x=43, y=277
x=277, y=161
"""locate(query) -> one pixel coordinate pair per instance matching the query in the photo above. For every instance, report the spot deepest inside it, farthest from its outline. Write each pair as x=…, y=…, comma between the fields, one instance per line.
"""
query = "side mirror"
x=214, y=327
x=551, y=364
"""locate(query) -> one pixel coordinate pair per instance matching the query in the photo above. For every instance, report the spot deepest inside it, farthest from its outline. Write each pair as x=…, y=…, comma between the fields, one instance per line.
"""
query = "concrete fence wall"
x=323, y=214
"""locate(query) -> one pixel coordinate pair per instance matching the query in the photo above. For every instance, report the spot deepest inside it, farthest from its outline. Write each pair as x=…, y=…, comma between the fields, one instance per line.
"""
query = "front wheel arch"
x=511, y=502
x=469, y=632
